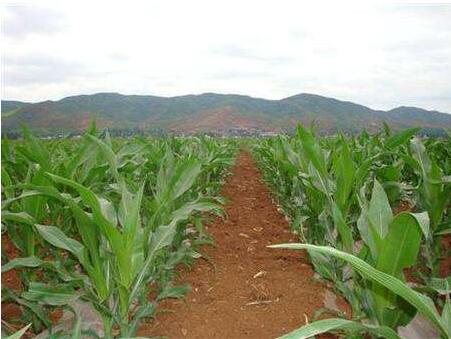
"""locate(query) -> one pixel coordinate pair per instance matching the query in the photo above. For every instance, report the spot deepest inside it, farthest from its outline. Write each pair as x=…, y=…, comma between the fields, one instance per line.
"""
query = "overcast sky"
x=381, y=56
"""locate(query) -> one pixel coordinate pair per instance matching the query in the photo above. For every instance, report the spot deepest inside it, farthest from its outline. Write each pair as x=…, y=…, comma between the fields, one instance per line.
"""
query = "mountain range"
x=209, y=112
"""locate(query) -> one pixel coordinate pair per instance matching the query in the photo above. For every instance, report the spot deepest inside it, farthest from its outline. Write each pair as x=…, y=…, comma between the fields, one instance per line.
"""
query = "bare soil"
x=445, y=264
x=10, y=279
x=253, y=291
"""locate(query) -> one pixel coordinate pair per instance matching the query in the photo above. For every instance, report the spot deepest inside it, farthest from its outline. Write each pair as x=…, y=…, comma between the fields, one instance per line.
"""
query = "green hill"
x=209, y=112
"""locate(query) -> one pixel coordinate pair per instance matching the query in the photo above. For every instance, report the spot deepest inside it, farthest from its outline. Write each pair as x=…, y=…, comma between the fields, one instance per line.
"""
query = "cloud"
x=21, y=21
x=236, y=51
x=235, y=74
x=377, y=55
x=39, y=70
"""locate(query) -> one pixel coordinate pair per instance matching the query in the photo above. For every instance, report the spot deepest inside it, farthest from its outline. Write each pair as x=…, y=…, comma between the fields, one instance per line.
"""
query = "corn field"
x=107, y=221
x=343, y=195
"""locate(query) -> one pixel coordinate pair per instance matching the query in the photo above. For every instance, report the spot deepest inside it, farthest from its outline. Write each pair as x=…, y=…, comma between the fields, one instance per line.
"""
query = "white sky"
x=380, y=55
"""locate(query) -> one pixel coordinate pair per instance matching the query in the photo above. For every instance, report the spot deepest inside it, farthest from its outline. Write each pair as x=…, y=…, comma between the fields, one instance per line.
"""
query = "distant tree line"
x=160, y=132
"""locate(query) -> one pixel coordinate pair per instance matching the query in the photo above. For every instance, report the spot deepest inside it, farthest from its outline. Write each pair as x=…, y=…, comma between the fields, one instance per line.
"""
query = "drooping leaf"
x=421, y=302
x=57, y=238
x=22, y=262
x=19, y=334
x=340, y=325
x=50, y=295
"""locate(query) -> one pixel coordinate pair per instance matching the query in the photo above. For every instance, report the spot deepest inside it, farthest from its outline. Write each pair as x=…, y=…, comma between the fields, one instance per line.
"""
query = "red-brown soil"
x=10, y=279
x=445, y=265
x=253, y=291
x=11, y=312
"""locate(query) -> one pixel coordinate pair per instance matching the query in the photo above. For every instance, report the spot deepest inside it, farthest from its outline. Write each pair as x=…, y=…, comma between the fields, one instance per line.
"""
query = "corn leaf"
x=50, y=295
x=401, y=138
x=380, y=214
x=422, y=303
x=340, y=325
x=18, y=334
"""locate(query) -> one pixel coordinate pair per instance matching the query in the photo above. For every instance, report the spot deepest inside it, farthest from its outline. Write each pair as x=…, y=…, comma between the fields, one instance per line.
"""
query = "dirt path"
x=255, y=292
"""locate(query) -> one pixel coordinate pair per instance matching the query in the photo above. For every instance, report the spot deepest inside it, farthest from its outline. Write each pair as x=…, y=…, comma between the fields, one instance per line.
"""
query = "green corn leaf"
x=144, y=311
x=20, y=217
x=400, y=250
x=185, y=179
x=130, y=214
x=367, y=232
x=312, y=150
x=50, y=295
x=411, y=161
x=436, y=197
x=7, y=202
x=343, y=229
x=187, y=209
x=421, y=302
x=57, y=238
x=364, y=169
x=91, y=200
x=420, y=155
x=345, y=173
x=35, y=206
x=36, y=309
x=387, y=129
x=108, y=211
x=401, y=245
x=129, y=211
x=162, y=237
x=443, y=231
x=32, y=306
x=87, y=230
x=401, y=138
x=19, y=334
x=380, y=214
x=35, y=149
x=108, y=152
x=319, y=181
x=22, y=262
x=6, y=184
x=342, y=325
x=34, y=262
x=441, y=285
x=423, y=222
x=80, y=157
x=446, y=313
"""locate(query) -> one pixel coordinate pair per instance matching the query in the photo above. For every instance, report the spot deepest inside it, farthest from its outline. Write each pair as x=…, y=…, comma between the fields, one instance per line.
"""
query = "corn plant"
x=381, y=280
x=433, y=195
x=391, y=245
x=322, y=184
x=119, y=213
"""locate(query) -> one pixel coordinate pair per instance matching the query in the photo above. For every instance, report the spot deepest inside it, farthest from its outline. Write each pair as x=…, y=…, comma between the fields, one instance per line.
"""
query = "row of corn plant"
x=106, y=221
x=340, y=193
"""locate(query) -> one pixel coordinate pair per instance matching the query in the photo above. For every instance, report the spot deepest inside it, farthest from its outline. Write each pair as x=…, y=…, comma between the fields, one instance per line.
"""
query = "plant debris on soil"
x=250, y=291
